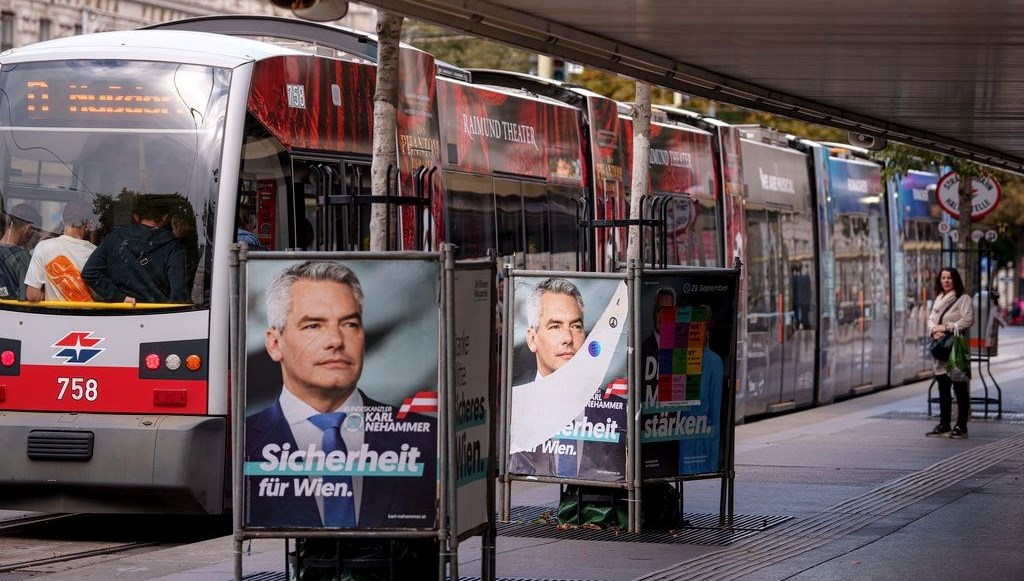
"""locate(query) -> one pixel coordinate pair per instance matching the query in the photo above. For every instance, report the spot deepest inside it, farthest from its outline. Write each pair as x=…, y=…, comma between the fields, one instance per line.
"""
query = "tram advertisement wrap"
x=685, y=349
x=568, y=403
x=341, y=394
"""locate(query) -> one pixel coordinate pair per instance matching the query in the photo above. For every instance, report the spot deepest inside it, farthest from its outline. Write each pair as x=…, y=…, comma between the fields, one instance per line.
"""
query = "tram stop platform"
x=852, y=490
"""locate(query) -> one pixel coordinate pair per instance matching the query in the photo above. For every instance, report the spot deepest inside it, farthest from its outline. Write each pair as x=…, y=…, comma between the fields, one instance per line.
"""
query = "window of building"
x=6, y=30
x=44, y=29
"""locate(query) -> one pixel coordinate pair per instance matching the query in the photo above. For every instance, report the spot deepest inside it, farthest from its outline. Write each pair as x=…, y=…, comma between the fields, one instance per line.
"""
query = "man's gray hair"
x=279, y=293
x=558, y=286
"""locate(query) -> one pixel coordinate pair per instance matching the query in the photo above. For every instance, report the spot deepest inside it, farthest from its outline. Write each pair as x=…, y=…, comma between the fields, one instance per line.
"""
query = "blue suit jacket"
x=387, y=502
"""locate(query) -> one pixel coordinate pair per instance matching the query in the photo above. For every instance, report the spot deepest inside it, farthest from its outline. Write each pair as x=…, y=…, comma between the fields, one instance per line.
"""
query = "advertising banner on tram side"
x=341, y=394
x=569, y=389
x=686, y=346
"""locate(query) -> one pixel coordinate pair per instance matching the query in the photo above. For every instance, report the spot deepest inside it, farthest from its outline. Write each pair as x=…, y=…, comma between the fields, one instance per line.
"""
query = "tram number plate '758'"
x=78, y=388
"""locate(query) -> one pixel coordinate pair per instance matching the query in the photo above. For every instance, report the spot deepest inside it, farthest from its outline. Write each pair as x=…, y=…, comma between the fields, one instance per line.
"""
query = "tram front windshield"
x=130, y=139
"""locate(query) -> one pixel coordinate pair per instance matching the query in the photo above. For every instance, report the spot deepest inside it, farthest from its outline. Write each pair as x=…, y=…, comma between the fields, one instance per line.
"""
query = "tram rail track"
x=38, y=543
x=75, y=555
x=14, y=524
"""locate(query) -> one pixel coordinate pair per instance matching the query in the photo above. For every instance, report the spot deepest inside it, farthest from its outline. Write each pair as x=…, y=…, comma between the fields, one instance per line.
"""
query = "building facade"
x=24, y=22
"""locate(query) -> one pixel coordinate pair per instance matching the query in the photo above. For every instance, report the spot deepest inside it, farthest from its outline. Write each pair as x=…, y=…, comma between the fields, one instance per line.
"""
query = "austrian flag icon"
x=619, y=387
x=424, y=402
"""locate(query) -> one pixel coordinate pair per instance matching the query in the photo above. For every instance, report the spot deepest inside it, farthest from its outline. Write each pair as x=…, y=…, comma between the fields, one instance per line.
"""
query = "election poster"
x=341, y=398
x=686, y=346
x=569, y=389
x=472, y=388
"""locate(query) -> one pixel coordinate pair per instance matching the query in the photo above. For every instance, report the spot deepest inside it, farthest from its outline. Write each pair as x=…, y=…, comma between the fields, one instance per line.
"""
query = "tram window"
x=306, y=225
x=562, y=219
x=508, y=216
x=120, y=165
x=762, y=250
x=470, y=214
x=708, y=248
x=681, y=216
x=265, y=172
x=352, y=224
x=538, y=243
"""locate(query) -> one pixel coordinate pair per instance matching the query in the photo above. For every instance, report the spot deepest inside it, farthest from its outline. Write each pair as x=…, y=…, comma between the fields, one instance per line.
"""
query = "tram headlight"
x=7, y=358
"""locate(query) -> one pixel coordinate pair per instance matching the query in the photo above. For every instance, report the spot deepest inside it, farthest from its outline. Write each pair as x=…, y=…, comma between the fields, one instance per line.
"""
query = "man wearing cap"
x=55, y=271
x=20, y=222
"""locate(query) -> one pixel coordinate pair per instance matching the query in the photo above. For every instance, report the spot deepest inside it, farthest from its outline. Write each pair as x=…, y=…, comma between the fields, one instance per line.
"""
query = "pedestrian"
x=951, y=312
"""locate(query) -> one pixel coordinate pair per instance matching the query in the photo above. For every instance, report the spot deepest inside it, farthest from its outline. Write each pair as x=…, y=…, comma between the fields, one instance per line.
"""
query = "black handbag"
x=941, y=348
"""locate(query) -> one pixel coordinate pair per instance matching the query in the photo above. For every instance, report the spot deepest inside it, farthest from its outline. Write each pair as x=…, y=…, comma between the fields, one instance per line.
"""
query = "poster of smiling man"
x=568, y=402
x=341, y=394
x=686, y=346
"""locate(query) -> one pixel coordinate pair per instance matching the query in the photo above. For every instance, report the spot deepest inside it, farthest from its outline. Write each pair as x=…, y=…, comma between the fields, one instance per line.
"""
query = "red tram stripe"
x=117, y=390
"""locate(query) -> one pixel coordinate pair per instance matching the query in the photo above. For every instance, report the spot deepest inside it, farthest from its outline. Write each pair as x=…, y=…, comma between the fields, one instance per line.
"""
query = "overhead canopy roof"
x=945, y=75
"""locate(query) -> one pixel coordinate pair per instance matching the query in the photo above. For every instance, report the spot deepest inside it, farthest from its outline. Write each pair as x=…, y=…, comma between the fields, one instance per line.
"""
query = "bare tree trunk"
x=965, y=261
x=641, y=164
x=385, y=103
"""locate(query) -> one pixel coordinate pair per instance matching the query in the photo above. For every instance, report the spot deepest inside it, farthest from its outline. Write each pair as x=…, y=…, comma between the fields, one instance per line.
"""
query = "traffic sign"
x=985, y=195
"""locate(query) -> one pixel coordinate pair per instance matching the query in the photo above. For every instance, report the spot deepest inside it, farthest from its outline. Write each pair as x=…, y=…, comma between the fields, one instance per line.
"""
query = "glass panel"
x=562, y=215
x=127, y=138
x=508, y=204
x=266, y=173
x=538, y=241
x=470, y=214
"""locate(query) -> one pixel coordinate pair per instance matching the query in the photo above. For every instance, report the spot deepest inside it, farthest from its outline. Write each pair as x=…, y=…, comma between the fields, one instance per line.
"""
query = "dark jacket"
x=13, y=266
x=144, y=262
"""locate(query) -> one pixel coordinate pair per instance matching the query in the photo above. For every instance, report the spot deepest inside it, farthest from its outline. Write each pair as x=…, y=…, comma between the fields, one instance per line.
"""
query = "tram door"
x=923, y=261
x=323, y=213
x=862, y=286
x=781, y=307
x=767, y=298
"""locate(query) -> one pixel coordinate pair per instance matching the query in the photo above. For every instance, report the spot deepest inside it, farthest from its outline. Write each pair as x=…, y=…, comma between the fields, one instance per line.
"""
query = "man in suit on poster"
x=554, y=334
x=660, y=459
x=321, y=418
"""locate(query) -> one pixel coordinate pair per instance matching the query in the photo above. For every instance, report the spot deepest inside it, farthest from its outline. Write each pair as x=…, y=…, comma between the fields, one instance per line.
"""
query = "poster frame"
x=445, y=522
x=634, y=277
x=727, y=435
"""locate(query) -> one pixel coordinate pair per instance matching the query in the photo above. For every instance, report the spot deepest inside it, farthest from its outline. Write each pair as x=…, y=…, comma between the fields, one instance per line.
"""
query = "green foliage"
x=465, y=51
x=612, y=86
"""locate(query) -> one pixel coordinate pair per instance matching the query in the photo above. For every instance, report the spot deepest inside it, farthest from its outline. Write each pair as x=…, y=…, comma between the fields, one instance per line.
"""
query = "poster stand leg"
x=506, y=499
x=488, y=549
x=238, y=558
x=453, y=563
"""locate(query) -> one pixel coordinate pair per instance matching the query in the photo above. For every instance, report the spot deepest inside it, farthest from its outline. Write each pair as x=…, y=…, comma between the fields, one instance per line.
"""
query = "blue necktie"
x=566, y=463
x=339, y=511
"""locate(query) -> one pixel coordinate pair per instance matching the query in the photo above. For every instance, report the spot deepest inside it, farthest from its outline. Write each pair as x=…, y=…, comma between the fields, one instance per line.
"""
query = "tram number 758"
x=80, y=388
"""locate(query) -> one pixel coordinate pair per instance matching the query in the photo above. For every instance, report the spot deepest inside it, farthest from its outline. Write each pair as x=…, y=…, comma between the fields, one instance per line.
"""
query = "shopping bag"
x=588, y=505
x=959, y=359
